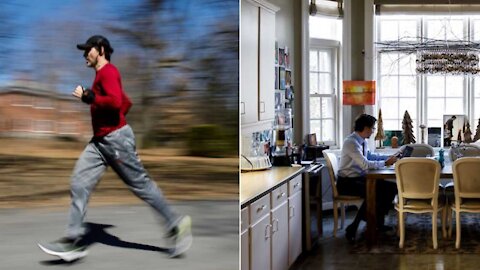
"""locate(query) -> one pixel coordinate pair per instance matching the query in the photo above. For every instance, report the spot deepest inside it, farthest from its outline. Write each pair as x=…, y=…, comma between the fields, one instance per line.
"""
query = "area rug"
x=418, y=237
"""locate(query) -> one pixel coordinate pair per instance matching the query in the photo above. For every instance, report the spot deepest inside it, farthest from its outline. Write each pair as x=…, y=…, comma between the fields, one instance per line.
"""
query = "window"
x=67, y=127
x=22, y=100
x=323, y=94
x=427, y=97
x=43, y=103
x=323, y=82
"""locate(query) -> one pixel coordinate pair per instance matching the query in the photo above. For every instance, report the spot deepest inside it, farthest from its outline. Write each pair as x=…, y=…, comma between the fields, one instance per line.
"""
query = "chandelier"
x=438, y=56
x=447, y=61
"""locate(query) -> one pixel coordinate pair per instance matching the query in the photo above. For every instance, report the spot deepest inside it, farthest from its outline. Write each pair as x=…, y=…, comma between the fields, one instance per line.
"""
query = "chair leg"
x=458, y=229
x=319, y=219
x=398, y=223
x=434, y=230
x=450, y=226
x=335, y=218
x=444, y=221
x=401, y=229
x=342, y=212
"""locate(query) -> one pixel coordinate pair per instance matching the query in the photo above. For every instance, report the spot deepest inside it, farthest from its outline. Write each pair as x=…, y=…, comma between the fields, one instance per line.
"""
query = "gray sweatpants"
x=117, y=150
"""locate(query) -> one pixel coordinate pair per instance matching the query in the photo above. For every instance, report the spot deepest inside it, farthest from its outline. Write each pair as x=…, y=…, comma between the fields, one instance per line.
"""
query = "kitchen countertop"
x=257, y=183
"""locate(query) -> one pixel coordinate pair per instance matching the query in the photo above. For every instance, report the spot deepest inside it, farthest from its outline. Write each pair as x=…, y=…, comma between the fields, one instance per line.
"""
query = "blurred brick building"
x=30, y=109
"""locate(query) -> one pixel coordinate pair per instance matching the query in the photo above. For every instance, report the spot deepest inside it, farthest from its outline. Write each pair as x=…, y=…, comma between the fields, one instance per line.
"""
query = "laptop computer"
x=407, y=152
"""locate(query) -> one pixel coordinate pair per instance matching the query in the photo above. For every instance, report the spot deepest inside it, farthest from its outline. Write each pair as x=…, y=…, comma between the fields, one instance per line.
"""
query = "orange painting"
x=358, y=92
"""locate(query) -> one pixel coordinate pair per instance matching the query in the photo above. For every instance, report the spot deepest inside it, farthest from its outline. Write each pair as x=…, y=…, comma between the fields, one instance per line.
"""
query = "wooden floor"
x=333, y=254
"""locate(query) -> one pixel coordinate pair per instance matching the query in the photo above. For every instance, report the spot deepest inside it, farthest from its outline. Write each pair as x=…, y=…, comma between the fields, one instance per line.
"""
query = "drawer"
x=295, y=185
x=244, y=219
x=259, y=209
x=279, y=195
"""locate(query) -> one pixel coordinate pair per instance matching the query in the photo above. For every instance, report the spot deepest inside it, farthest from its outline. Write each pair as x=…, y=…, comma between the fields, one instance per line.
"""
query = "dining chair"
x=466, y=150
x=417, y=183
x=420, y=150
x=466, y=178
x=332, y=165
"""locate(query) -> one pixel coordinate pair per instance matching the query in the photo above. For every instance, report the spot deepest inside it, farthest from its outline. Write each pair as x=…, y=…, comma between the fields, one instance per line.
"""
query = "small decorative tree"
x=407, y=129
x=380, y=132
x=467, y=135
x=477, y=132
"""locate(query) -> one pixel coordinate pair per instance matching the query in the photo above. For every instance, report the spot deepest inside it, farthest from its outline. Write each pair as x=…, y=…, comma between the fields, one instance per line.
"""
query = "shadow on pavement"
x=97, y=234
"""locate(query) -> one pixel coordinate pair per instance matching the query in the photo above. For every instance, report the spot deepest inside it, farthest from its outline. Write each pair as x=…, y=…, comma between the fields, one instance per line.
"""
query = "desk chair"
x=332, y=165
x=417, y=183
x=466, y=177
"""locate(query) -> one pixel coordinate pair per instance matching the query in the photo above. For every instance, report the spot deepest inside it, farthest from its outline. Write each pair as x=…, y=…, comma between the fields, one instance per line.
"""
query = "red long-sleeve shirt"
x=111, y=104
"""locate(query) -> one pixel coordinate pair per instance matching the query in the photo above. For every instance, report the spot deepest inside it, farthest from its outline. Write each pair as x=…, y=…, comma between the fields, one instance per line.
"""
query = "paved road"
x=129, y=237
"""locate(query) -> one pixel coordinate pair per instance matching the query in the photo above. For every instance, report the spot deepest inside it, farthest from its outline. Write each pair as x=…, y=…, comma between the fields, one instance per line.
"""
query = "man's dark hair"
x=364, y=120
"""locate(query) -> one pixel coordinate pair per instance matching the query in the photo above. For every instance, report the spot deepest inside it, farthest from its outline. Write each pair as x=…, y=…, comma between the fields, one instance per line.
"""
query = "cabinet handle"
x=242, y=108
x=292, y=212
x=273, y=227
x=262, y=103
x=281, y=195
x=261, y=208
x=296, y=184
x=268, y=231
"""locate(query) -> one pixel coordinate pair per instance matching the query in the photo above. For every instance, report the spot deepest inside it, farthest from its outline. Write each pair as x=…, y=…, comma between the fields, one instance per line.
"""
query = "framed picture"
x=312, y=139
x=288, y=77
x=279, y=99
x=282, y=78
x=277, y=79
x=389, y=134
x=276, y=52
x=281, y=56
x=452, y=130
x=358, y=92
x=435, y=136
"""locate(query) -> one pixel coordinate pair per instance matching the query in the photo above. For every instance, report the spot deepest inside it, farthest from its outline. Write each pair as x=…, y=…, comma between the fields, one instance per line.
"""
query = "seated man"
x=355, y=160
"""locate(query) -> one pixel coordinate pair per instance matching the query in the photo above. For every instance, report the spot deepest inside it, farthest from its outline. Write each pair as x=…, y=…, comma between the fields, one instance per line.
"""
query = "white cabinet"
x=294, y=219
x=260, y=234
x=279, y=221
x=249, y=62
x=271, y=228
x=266, y=102
x=245, y=240
x=257, y=62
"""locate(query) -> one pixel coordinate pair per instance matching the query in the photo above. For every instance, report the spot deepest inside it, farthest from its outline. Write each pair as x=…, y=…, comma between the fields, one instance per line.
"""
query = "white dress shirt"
x=356, y=158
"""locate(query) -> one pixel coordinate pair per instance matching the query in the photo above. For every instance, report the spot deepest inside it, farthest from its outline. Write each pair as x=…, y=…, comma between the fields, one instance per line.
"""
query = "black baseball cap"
x=96, y=41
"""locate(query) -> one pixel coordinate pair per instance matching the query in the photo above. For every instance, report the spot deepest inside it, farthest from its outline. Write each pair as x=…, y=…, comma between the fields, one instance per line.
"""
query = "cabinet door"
x=249, y=63
x=260, y=244
x=294, y=226
x=266, y=103
x=280, y=237
x=245, y=256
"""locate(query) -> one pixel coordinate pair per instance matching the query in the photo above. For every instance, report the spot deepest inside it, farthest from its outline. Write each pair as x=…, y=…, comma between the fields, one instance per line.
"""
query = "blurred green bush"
x=211, y=140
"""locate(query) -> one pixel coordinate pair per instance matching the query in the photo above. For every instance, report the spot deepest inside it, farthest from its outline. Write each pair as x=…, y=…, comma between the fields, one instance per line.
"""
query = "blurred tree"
x=182, y=78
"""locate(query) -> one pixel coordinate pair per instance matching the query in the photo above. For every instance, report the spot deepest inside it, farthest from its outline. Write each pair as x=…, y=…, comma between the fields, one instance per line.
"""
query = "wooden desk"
x=381, y=174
